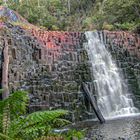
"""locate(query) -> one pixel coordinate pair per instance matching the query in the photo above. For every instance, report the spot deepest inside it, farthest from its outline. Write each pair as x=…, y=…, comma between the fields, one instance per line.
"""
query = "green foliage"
x=125, y=26
x=36, y=124
x=48, y=13
x=123, y=15
x=80, y=14
x=52, y=14
x=107, y=26
x=2, y=136
x=16, y=124
x=74, y=134
x=19, y=125
x=17, y=102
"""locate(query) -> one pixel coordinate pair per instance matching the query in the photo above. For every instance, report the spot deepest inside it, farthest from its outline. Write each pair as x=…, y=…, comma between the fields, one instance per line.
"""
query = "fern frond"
x=58, y=122
x=17, y=124
x=35, y=121
x=11, y=108
x=6, y=119
x=17, y=101
x=44, y=116
x=2, y=136
x=2, y=104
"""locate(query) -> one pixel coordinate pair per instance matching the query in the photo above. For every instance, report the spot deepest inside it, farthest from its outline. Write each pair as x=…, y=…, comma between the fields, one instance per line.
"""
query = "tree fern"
x=6, y=119
x=37, y=123
x=2, y=136
x=27, y=126
x=17, y=101
x=11, y=108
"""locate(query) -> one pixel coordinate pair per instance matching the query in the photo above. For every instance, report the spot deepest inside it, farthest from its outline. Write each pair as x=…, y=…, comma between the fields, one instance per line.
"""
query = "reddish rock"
x=50, y=64
x=128, y=40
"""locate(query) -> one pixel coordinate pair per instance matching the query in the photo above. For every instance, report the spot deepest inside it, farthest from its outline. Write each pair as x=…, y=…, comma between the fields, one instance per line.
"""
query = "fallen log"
x=93, y=103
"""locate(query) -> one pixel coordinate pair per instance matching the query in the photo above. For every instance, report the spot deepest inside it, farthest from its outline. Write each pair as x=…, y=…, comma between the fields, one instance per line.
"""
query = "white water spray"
x=113, y=98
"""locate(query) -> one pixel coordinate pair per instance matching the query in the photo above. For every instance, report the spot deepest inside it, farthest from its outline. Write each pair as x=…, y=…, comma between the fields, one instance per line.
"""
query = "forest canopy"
x=79, y=15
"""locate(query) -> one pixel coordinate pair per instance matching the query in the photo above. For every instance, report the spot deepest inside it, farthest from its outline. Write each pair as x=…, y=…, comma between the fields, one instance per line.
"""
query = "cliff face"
x=51, y=65
x=125, y=50
x=47, y=64
x=127, y=41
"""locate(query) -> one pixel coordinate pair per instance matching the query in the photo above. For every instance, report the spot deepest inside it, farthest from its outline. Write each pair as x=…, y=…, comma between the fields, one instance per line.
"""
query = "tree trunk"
x=5, y=64
x=38, y=3
x=69, y=6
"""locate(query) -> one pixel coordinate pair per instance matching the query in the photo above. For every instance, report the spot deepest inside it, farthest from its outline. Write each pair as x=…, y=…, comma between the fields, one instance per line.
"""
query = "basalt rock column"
x=112, y=93
x=5, y=65
x=51, y=65
x=125, y=50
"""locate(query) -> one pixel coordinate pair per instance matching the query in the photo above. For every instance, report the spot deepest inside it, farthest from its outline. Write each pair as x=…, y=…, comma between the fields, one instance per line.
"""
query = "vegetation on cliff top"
x=80, y=15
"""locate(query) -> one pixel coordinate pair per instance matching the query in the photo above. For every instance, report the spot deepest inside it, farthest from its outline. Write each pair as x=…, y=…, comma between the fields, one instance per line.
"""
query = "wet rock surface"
x=52, y=65
x=49, y=65
x=127, y=128
x=121, y=129
x=124, y=47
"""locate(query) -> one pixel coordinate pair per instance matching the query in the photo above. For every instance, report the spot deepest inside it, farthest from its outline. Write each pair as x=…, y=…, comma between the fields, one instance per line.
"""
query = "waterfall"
x=113, y=97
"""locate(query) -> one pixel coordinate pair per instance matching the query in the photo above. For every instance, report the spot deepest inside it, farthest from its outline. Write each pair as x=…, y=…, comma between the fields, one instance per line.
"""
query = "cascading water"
x=113, y=98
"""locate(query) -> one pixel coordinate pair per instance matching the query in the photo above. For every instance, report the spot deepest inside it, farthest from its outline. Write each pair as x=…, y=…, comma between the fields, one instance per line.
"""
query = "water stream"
x=113, y=96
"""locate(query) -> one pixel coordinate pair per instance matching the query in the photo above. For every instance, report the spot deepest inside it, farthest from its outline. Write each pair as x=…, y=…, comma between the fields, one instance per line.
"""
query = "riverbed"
x=126, y=128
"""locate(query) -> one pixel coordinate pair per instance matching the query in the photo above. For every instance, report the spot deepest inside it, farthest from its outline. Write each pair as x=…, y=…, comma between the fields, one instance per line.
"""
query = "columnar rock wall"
x=126, y=40
x=52, y=65
x=125, y=50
